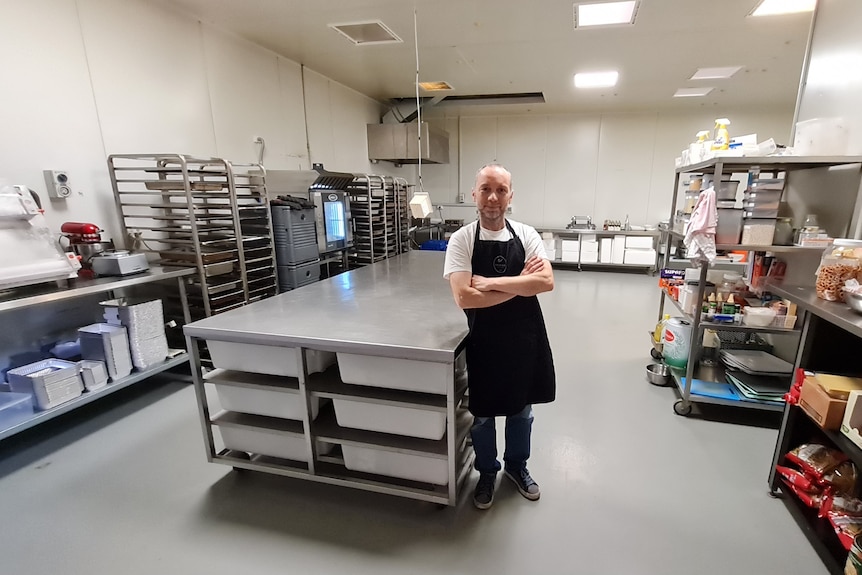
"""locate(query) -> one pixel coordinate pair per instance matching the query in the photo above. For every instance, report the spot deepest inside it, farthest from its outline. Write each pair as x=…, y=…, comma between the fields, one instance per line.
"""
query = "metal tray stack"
x=201, y=213
x=380, y=218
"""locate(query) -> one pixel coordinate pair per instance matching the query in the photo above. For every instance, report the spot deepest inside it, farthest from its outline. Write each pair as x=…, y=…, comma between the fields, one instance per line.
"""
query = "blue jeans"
x=518, y=428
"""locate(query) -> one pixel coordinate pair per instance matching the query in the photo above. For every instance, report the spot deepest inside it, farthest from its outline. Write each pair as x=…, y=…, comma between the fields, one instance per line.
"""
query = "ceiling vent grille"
x=367, y=33
x=494, y=99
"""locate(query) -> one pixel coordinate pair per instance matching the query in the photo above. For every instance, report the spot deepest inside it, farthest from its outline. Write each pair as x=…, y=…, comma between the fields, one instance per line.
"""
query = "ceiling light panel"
x=605, y=13
x=596, y=79
x=772, y=7
x=692, y=92
x=715, y=73
x=435, y=86
x=367, y=32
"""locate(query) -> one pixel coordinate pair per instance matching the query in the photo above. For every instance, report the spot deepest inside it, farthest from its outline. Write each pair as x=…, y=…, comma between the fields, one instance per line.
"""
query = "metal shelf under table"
x=90, y=396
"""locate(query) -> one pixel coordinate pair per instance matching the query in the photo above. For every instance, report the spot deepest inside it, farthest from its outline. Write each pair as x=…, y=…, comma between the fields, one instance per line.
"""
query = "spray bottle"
x=722, y=136
x=697, y=151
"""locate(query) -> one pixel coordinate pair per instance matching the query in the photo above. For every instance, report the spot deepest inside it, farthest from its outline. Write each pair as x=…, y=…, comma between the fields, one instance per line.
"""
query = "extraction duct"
x=399, y=143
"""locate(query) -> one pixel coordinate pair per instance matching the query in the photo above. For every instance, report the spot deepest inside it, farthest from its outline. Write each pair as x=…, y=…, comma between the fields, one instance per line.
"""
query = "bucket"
x=677, y=342
x=853, y=565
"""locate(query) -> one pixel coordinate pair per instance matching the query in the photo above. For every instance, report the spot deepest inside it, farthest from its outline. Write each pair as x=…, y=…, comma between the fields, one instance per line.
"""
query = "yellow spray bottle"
x=722, y=136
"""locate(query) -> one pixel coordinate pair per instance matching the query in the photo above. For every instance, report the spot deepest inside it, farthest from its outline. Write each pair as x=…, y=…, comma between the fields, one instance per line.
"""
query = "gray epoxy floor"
x=627, y=486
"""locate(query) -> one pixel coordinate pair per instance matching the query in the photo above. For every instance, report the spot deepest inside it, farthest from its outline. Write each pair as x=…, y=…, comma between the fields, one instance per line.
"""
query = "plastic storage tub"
x=14, y=408
x=269, y=359
x=390, y=419
x=50, y=382
x=392, y=464
x=757, y=232
x=392, y=373
x=266, y=441
x=729, y=226
x=260, y=402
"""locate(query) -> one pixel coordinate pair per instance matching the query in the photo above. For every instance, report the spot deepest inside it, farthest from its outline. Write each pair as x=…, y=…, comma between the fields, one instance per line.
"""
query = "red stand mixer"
x=85, y=241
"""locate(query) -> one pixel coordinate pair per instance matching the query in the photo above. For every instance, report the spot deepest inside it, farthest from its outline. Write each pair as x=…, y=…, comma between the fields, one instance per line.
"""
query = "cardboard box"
x=618, y=250
x=826, y=411
x=852, y=418
x=639, y=242
x=570, y=245
x=838, y=386
x=639, y=257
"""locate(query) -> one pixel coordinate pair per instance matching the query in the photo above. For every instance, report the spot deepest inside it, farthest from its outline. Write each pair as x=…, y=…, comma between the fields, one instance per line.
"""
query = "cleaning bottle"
x=722, y=136
x=659, y=328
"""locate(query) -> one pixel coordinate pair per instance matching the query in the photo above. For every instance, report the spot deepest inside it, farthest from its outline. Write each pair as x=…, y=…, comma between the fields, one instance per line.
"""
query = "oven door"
x=333, y=218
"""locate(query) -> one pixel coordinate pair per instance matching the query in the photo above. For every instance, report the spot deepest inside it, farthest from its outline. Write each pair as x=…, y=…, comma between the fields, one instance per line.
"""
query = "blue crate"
x=434, y=245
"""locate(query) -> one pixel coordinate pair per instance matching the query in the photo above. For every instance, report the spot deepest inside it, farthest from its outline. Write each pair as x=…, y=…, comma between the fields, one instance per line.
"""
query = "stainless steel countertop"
x=27, y=296
x=836, y=313
x=563, y=231
x=400, y=307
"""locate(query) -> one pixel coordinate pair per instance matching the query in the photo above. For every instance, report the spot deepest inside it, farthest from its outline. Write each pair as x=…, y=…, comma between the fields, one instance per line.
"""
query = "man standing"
x=496, y=267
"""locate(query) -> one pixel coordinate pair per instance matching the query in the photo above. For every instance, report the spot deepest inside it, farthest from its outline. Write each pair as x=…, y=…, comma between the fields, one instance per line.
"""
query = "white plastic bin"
x=260, y=402
x=392, y=464
x=390, y=419
x=265, y=441
x=269, y=359
x=392, y=373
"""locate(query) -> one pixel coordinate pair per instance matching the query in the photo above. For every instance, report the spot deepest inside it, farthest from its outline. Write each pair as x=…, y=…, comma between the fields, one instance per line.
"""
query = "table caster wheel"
x=680, y=408
x=655, y=354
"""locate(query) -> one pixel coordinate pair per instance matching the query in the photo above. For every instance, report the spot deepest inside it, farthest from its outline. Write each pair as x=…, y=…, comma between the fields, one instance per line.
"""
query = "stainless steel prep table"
x=399, y=309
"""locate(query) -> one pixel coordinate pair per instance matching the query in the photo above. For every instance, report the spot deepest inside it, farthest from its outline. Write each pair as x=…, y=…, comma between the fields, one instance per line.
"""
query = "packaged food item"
x=842, y=479
x=847, y=527
x=797, y=479
x=842, y=504
x=816, y=460
x=812, y=500
x=839, y=263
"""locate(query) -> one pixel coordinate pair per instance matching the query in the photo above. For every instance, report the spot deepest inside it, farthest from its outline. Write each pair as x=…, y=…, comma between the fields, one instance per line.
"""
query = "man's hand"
x=481, y=283
x=532, y=265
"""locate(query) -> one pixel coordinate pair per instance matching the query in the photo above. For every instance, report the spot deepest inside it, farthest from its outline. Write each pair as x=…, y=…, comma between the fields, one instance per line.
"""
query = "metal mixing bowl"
x=854, y=300
x=658, y=374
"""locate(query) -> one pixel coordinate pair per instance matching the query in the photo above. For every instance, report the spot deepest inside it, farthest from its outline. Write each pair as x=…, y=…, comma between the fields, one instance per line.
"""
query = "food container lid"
x=733, y=276
x=847, y=243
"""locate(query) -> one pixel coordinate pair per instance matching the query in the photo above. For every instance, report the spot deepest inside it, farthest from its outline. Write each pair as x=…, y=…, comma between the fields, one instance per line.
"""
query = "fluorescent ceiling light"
x=435, y=86
x=691, y=92
x=771, y=7
x=715, y=73
x=605, y=13
x=596, y=79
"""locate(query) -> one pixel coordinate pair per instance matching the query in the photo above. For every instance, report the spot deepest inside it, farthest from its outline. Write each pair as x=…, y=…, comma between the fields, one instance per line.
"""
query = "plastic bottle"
x=722, y=136
x=712, y=306
x=659, y=328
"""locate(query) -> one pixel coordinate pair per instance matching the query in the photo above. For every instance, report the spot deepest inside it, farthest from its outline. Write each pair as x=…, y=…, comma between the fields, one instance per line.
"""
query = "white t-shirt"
x=459, y=251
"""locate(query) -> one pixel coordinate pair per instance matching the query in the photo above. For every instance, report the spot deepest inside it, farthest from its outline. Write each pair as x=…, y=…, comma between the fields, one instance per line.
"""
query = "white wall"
x=87, y=78
x=605, y=166
x=833, y=89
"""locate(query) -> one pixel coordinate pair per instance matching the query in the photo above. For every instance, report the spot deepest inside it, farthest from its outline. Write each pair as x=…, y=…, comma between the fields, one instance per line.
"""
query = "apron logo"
x=500, y=264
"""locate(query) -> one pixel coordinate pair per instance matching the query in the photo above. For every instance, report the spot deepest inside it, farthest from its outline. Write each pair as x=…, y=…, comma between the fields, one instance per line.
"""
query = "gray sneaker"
x=483, y=497
x=526, y=485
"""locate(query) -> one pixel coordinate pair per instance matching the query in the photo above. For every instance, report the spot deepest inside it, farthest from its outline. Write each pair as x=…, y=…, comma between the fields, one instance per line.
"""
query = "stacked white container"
x=760, y=210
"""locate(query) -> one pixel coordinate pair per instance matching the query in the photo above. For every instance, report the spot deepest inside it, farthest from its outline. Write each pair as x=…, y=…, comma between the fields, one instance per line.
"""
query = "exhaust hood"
x=399, y=143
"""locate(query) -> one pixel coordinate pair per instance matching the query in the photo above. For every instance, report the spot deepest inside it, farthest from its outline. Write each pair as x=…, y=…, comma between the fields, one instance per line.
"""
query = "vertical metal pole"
x=451, y=434
x=201, y=396
x=302, y=372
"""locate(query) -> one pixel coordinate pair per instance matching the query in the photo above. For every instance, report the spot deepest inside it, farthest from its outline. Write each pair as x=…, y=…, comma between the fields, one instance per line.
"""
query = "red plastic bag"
x=797, y=478
x=812, y=500
x=846, y=526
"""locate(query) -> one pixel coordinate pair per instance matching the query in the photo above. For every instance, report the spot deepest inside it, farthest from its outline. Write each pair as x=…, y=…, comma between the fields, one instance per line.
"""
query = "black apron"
x=509, y=362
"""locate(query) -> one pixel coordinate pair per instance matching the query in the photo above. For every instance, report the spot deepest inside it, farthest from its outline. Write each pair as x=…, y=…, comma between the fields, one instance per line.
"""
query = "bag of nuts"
x=841, y=262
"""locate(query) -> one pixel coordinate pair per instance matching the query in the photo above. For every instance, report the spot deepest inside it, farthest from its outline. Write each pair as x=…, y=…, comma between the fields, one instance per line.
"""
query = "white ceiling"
x=503, y=46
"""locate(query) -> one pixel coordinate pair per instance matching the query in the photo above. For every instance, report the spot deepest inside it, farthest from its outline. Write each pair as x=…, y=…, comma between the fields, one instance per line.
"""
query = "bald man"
x=495, y=268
